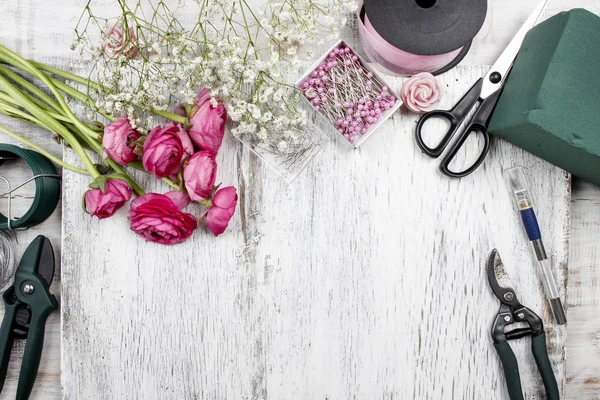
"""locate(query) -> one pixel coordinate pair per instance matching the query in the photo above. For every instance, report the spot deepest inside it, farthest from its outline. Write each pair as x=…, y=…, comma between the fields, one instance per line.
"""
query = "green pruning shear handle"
x=28, y=303
x=512, y=311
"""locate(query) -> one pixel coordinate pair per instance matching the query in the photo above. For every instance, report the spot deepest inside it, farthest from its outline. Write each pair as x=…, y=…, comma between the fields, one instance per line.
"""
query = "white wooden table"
x=216, y=319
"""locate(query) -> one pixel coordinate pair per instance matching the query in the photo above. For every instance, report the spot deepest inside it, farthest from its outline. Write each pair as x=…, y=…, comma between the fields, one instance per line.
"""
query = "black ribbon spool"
x=427, y=27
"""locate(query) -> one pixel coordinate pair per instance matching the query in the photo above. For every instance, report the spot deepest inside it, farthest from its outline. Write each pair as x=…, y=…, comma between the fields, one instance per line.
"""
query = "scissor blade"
x=46, y=266
x=497, y=277
x=505, y=62
x=38, y=259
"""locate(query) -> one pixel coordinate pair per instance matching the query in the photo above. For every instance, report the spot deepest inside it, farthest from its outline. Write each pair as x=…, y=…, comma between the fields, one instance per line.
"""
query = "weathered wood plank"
x=583, y=346
x=354, y=281
x=39, y=30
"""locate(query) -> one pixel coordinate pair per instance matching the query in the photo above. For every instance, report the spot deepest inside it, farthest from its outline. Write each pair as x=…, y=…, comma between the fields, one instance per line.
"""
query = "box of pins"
x=348, y=94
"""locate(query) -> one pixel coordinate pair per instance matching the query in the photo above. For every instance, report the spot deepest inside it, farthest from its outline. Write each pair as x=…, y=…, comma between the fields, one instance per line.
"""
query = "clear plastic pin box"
x=331, y=128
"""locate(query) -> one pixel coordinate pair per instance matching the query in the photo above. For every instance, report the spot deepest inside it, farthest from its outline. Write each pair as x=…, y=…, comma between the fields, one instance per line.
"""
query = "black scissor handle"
x=473, y=128
x=455, y=116
x=435, y=152
x=479, y=125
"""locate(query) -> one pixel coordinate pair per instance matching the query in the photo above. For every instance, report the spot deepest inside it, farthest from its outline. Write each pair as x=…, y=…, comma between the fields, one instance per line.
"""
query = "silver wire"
x=7, y=261
x=11, y=190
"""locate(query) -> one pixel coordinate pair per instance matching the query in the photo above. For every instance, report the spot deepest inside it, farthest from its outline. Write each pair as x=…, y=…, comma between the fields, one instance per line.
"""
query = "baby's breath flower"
x=243, y=53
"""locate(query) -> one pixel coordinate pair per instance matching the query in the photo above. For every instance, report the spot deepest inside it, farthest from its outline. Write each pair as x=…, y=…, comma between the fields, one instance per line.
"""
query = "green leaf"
x=83, y=202
x=100, y=183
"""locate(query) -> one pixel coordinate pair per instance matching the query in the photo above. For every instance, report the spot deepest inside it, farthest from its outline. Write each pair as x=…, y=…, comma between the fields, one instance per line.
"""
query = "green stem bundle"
x=24, y=100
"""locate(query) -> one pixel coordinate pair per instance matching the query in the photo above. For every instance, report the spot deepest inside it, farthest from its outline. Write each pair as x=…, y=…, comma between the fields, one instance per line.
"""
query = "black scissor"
x=486, y=90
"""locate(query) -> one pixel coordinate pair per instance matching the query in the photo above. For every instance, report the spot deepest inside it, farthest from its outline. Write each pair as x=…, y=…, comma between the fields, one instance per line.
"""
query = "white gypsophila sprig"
x=243, y=53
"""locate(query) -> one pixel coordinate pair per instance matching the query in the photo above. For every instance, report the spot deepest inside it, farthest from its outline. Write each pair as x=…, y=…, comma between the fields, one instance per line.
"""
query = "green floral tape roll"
x=47, y=188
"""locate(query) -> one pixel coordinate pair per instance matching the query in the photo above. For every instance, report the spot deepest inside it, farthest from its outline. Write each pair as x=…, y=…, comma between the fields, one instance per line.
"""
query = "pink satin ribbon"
x=396, y=61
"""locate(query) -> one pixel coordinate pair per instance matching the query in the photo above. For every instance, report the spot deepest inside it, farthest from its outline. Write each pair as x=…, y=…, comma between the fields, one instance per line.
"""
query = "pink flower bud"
x=158, y=218
x=119, y=141
x=222, y=210
x=165, y=149
x=199, y=175
x=104, y=205
x=208, y=123
x=120, y=43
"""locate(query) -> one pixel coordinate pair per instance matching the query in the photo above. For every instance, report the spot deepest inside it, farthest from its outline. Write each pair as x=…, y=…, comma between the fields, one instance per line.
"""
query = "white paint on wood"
x=363, y=278
x=325, y=288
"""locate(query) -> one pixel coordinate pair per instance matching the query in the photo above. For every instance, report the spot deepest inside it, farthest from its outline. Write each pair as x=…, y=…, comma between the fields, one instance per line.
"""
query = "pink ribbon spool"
x=395, y=61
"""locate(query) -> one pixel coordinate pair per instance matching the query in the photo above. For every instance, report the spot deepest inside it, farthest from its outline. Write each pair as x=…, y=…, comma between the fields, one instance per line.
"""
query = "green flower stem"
x=134, y=186
x=19, y=62
x=67, y=75
x=6, y=99
x=14, y=112
x=59, y=117
x=44, y=152
x=76, y=94
x=51, y=123
x=30, y=87
x=169, y=115
x=84, y=98
x=138, y=165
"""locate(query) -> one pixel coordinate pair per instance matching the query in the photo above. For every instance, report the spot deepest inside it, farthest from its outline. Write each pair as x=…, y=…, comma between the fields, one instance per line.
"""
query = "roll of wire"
x=7, y=261
x=45, y=200
x=405, y=37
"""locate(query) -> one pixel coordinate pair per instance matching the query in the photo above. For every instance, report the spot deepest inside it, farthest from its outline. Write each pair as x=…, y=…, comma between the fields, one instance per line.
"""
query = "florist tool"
x=27, y=304
x=47, y=188
x=486, y=90
x=405, y=37
x=511, y=311
x=348, y=94
x=518, y=186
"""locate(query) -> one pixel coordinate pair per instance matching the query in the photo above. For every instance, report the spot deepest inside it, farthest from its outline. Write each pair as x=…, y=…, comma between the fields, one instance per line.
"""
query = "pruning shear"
x=511, y=310
x=486, y=92
x=27, y=304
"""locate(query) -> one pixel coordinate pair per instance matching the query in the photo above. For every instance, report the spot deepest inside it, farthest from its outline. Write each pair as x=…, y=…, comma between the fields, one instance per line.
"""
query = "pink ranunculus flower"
x=223, y=208
x=199, y=175
x=158, y=217
x=165, y=149
x=104, y=205
x=422, y=93
x=119, y=141
x=207, y=125
x=120, y=43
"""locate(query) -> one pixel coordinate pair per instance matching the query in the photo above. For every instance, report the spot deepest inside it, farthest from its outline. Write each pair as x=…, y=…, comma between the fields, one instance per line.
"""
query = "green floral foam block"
x=551, y=102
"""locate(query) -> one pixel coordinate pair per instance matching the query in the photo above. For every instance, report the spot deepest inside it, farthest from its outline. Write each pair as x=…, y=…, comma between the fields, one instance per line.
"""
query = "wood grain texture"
x=318, y=289
x=583, y=346
x=362, y=279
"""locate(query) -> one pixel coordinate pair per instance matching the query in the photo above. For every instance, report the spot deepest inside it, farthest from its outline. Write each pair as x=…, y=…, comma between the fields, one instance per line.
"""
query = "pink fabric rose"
x=120, y=43
x=199, y=175
x=422, y=93
x=104, y=205
x=158, y=217
x=207, y=125
x=119, y=141
x=222, y=210
x=165, y=149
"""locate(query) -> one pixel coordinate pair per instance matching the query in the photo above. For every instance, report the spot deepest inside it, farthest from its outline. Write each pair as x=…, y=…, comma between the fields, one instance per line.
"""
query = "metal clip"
x=11, y=190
